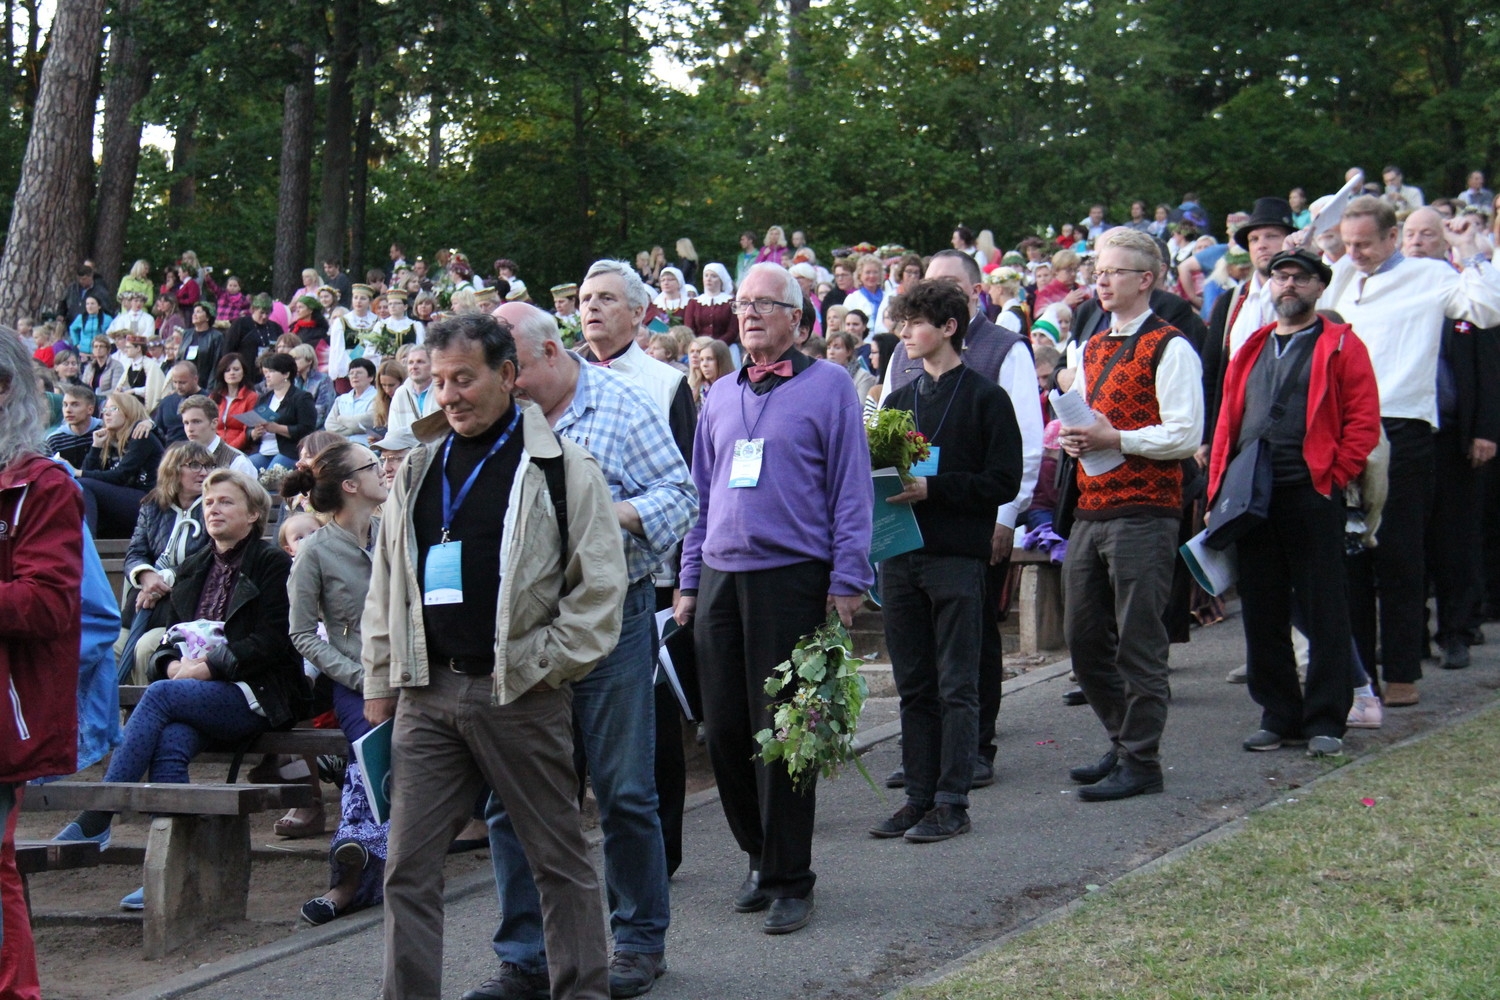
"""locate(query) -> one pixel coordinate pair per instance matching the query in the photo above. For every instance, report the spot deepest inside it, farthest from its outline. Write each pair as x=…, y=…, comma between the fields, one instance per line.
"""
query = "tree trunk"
x=32, y=66
x=296, y=178
x=360, y=180
x=434, y=130
x=796, y=46
x=183, y=194
x=333, y=204
x=45, y=241
x=583, y=237
x=129, y=79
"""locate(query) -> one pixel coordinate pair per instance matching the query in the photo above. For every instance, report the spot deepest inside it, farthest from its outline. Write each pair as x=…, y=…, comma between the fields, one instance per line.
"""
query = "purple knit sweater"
x=815, y=497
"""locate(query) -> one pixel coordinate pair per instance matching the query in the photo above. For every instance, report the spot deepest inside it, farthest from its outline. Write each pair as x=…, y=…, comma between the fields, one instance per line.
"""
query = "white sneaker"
x=1239, y=675
x=1366, y=713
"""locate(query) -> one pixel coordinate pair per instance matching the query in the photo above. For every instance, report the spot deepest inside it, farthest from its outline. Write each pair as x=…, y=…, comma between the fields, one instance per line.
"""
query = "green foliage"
x=822, y=693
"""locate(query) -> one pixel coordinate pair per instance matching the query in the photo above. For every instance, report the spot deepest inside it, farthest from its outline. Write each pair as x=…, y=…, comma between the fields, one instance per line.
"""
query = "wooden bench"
x=197, y=870
x=300, y=742
x=1039, y=601
x=33, y=856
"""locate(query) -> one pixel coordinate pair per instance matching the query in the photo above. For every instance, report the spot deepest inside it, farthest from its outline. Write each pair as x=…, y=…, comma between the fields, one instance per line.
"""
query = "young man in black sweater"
x=932, y=596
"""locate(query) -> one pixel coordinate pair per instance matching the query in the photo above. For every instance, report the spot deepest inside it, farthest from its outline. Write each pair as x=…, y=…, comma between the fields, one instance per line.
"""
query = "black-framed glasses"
x=763, y=306
x=1298, y=279
x=1110, y=272
x=198, y=467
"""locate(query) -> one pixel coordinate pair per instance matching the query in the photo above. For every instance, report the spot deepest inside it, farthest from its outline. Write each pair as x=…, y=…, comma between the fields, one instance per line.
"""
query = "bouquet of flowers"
x=814, y=727
x=895, y=441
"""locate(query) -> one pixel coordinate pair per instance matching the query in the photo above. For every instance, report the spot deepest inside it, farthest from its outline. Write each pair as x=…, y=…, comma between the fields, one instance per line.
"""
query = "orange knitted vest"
x=1142, y=486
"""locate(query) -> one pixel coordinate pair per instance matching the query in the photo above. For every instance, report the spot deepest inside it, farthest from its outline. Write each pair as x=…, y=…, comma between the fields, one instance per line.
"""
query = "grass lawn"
x=1381, y=882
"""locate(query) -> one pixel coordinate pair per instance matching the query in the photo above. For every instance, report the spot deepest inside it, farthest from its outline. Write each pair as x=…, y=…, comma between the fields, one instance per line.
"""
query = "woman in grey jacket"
x=328, y=583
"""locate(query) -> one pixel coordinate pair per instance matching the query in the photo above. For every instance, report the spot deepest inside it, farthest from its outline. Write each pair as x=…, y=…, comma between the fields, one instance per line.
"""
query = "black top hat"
x=1307, y=260
x=1268, y=212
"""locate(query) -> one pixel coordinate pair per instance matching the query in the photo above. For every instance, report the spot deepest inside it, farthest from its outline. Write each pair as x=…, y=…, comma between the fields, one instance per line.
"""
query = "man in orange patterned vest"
x=1144, y=383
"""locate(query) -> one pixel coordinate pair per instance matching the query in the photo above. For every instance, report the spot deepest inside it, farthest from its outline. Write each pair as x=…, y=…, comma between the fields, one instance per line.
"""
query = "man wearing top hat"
x=1328, y=427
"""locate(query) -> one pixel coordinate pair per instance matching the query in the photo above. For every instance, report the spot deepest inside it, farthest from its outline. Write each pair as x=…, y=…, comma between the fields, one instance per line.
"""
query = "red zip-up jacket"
x=1343, y=408
x=41, y=580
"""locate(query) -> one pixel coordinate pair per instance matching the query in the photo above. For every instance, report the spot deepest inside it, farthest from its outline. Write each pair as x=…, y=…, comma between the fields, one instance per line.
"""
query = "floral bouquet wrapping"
x=823, y=693
x=895, y=441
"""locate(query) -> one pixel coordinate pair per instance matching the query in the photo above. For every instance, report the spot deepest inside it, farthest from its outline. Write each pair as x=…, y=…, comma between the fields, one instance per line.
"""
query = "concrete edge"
x=1209, y=837
x=318, y=937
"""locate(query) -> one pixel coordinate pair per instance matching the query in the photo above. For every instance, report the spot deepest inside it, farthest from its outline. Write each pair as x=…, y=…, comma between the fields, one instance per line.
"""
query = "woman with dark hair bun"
x=328, y=584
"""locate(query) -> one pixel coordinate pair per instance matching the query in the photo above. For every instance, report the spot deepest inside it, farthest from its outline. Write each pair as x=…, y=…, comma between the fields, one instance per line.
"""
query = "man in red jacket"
x=1329, y=423
x=41, y=579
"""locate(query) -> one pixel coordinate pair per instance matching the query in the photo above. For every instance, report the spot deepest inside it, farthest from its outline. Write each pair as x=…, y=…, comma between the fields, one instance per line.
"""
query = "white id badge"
x=745, y=471
x=192, y=353
x=443, y=580
x=929, y=465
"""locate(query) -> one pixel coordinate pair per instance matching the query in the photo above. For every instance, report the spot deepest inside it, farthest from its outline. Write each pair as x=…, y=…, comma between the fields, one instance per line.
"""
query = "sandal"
x=304, y=821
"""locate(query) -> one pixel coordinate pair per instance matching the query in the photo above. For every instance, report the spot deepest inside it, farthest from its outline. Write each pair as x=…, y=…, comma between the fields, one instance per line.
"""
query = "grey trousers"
x=448, y=744
x=1117, y=578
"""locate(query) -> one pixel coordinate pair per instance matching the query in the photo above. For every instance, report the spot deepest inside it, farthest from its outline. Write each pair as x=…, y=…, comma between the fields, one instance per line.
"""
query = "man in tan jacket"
x=480, y=615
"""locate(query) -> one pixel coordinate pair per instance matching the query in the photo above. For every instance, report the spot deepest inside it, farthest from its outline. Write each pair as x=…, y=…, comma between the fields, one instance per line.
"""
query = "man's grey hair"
x=23, y=417
x=636, y=292
x=790, y=290
x=535, y=326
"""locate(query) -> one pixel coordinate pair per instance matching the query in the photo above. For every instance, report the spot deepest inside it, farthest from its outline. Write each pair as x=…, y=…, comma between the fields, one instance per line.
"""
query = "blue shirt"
x=614, y=420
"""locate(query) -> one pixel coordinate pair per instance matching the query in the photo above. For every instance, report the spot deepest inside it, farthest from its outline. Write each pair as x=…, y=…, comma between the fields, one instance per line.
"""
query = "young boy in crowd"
x=933, y=609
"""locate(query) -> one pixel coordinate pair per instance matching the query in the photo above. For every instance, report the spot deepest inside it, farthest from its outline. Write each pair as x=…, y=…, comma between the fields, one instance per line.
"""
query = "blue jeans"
x=174, y=722
x=614, y=715
x=264, y=462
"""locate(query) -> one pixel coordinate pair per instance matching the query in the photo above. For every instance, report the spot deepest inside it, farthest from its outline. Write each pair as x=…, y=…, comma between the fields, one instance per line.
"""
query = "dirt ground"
x=88, y=948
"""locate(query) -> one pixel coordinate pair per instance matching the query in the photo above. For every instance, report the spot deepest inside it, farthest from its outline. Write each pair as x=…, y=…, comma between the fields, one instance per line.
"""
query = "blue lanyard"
x=450, y=503
x=916, y=417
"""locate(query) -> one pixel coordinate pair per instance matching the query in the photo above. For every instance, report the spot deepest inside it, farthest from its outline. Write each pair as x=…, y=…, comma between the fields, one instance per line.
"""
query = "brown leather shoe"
x=1400, y=695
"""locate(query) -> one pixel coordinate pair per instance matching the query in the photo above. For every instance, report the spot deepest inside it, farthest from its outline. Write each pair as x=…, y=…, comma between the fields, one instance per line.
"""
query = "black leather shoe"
x=896, y=779
x=984, y=774
x=904, y=819
x=1075, y=697
x=751, y=899
x=943, y=822
x=788, y=914
x=513, y=983
x=1087, y=774
x=1122, y=783
x=1455, y=653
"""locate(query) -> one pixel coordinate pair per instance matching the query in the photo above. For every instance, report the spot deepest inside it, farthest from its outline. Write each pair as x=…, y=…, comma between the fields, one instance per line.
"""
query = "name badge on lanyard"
x=929, y=465
x=744, y=472
x=443, y=576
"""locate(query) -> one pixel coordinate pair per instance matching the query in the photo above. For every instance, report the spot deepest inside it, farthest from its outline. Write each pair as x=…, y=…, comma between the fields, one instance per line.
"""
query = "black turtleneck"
x=467, y=630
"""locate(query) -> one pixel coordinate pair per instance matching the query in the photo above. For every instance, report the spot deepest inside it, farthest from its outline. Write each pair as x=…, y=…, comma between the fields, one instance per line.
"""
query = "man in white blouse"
x=1397, y=305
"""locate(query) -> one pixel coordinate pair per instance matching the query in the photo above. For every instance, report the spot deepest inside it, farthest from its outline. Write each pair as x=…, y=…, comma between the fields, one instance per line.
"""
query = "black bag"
x=1244, y=499
x=1067, y=465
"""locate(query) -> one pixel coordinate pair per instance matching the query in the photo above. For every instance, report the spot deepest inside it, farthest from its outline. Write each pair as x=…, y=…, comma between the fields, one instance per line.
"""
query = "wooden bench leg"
x=197, y=874
x=1041, y=604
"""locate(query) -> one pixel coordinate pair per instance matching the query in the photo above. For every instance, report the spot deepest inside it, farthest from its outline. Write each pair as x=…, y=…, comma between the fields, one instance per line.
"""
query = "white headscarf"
x=661, y=299
x=726, y=286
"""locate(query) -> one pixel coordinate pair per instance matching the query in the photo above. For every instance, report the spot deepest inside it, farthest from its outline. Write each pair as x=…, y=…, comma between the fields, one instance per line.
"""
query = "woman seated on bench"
x=247, y=685
x=329, y=579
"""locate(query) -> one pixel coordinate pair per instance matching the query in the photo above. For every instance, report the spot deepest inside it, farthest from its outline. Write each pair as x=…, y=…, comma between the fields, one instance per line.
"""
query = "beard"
x=1294, y=306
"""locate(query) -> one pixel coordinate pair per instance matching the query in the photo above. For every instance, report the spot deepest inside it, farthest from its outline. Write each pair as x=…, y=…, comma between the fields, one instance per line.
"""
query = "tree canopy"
x=540, y=130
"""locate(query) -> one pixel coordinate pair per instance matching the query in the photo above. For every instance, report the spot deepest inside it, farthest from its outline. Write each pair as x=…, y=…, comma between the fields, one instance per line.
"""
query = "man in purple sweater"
x=785, y=507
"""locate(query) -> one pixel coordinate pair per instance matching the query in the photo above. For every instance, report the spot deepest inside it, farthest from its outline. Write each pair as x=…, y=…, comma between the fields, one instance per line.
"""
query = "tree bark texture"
x=296, y=176
x=46, y=242
x=128, y=80
x=364, y=132
x=338, y=135
x=182, y=197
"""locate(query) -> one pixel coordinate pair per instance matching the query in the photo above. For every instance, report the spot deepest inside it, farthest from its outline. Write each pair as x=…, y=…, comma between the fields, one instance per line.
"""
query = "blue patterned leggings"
x=174, y=722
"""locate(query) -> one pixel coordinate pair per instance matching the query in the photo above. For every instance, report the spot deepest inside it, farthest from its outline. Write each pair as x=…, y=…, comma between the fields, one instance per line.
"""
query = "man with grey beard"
x=1303, y=389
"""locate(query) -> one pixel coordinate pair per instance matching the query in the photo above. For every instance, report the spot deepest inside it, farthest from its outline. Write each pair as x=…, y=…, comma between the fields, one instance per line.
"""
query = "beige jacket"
x=539, y=635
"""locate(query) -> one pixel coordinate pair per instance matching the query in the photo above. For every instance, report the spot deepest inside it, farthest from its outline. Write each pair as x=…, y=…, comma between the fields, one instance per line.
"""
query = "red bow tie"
x=759, y=373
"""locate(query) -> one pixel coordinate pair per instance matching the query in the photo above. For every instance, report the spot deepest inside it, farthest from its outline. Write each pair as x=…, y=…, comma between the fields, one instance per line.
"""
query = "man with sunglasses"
x=1326, y=426
x=783, y=533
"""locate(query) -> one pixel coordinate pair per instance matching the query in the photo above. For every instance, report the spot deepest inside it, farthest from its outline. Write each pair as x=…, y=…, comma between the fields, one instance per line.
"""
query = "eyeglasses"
x=763, y=306
x=1298, y=279
x=197, y=467
x=1109, y=273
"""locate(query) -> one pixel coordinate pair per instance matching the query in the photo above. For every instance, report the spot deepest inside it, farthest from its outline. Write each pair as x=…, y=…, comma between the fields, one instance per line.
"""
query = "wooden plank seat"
x=1039, y=601
x=197, y=869
x=303, y=741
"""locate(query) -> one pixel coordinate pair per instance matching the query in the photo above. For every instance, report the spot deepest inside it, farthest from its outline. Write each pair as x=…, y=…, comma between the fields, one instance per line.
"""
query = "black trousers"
x=1454, y=537
x=1297, y=555
x=1399, y=560
x=991, y=656
x=747, y=623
